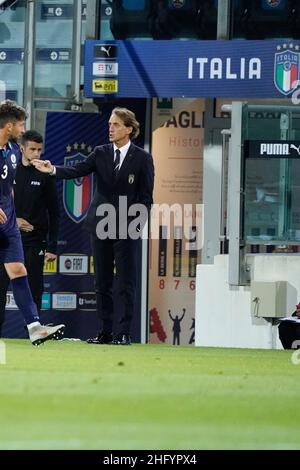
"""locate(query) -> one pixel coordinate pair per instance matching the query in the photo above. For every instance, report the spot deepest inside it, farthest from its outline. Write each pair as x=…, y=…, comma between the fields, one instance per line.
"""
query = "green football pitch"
x=71, y=395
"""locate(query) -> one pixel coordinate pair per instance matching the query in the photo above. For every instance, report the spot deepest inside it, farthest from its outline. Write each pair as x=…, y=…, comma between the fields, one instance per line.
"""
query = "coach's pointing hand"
x=45, y=166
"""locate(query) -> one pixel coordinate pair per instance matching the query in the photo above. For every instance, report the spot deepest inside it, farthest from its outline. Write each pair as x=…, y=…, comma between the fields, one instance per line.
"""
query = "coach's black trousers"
x=121, y=255
x=34, y=263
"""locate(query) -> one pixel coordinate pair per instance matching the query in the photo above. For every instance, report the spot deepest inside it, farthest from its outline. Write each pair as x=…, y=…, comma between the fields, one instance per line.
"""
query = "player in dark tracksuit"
x=36, y=206
x=12, y=123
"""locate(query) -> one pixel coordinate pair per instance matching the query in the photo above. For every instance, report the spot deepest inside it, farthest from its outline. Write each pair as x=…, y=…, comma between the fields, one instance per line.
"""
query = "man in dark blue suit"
x=125, y=179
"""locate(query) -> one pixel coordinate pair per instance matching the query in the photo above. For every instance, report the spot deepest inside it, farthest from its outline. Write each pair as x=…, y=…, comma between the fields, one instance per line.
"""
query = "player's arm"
x=3, y=218
x=146, y=182
x=52, y=205
x=50, y=256
x=24, y=225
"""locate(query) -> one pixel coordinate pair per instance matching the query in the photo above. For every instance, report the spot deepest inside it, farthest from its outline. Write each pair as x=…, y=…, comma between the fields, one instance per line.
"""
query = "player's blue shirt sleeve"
x=9, y=160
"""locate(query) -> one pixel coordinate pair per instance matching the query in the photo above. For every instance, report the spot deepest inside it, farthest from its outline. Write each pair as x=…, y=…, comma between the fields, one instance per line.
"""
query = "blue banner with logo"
x=69, y=293
x=56, y=55
x=56, y=11
x=192, y=68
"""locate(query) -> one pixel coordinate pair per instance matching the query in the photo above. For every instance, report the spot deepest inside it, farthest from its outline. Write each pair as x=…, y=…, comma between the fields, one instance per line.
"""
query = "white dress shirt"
x=123, y=152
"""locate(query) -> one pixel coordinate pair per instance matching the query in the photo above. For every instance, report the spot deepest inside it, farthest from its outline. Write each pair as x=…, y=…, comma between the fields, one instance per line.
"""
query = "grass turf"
x=71, y=395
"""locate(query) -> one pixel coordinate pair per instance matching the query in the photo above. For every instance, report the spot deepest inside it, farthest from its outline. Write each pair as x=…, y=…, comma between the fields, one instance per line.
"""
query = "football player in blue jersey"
x=12, y=126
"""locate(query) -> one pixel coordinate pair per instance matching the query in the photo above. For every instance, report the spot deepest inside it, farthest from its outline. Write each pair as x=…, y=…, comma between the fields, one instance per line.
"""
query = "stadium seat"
x=183, y=19
x=207, y=20
x=164, y=19
x=294, y=20
x=129, y=18
x=173, y=19
x=261, y=19
x=134, y=5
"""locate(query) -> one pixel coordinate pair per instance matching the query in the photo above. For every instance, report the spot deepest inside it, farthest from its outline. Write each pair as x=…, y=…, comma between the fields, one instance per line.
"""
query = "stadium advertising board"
x=145, y=69
x=177, y=147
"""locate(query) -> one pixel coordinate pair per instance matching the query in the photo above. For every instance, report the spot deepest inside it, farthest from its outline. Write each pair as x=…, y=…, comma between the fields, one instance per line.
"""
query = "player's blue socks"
x=24, y=300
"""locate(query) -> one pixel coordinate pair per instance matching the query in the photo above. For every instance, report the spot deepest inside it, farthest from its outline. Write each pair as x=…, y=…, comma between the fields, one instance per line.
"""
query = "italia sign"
x=191, y=69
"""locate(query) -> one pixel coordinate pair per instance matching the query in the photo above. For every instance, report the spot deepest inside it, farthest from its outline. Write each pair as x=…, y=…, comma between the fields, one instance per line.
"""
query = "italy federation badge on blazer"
x=131, y=179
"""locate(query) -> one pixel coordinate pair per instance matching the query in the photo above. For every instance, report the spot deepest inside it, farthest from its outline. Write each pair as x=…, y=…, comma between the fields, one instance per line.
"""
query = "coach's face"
x=15, y=129
x=118, y=132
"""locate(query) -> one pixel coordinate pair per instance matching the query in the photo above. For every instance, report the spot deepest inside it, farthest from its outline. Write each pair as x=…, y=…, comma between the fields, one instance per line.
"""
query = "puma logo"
x=106, y=50
x=296, y=148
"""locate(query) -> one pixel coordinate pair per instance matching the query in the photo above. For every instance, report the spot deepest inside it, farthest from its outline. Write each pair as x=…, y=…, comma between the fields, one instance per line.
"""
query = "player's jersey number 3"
x=5, y=172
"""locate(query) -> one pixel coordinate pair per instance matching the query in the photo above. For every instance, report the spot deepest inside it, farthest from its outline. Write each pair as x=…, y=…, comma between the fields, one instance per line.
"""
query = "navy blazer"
x=135, y=179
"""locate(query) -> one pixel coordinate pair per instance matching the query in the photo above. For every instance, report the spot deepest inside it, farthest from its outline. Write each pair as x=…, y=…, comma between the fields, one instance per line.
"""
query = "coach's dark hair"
x=129, y=120
x=11, y=112
x=31, y=136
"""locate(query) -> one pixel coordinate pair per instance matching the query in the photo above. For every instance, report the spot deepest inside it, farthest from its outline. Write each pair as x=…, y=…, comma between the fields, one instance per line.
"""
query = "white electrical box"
x=269, y=299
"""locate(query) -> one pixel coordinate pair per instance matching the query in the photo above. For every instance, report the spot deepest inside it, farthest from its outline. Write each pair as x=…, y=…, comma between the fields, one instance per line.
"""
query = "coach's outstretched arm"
x=45, y=166
x=67, y=172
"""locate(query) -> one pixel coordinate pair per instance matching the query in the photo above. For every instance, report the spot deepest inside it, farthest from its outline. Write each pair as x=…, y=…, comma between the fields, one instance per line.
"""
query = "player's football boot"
x=40, y=333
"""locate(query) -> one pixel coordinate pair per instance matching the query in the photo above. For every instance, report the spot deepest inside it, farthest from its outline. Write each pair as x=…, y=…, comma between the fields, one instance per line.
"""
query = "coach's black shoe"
x=124, y=340
x=101, y=338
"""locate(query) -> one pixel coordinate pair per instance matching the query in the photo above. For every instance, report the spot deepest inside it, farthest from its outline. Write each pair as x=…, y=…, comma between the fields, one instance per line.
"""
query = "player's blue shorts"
x=11, y=248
